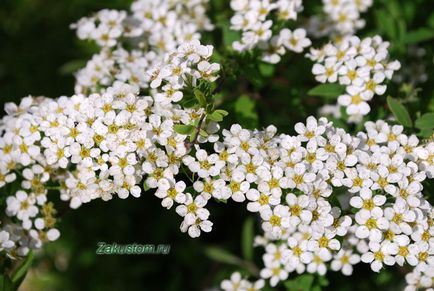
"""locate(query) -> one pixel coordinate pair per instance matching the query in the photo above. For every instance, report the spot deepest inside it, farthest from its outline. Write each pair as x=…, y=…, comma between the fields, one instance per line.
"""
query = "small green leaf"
x=215, y=116
x=221, y=255
x=200, y=97
x=426, y=121
x=222, y=112
x=146, y=187
x=327, y=90
x=401, y=114
x=203, y=133
x=300, y=283
x=419, y=35
x=188, y=102
x=246, y=112
x=247, y=238
x=183, y=129
x=229, y=35
x=266, y=70
x=71, y=67
x=426, y=133
x=20, y=273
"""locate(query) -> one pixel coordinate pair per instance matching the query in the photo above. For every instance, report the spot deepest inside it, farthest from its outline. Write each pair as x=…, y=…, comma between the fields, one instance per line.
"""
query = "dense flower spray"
x=144, y=117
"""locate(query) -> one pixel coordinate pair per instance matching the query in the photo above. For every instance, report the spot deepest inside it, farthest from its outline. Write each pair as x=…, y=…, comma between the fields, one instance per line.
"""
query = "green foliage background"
x=38, y=53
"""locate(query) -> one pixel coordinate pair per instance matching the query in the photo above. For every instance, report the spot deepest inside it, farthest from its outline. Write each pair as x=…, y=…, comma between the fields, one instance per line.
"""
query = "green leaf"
x=430, y=21
x=401, y=114
x=266, y=70
x=426, y=133
x=183, y=129
x=386, y=24
x=222, y=112
x=229, y=35
x=247, y=238
x=71, y=67
x=426, y=121
x=327, y=90
x=188, y=102
x=221, y=255
x=20, y=273
x=146, y=187
x=246, y=112
x=200, y=97
x=215, y=116
x=203, y=133
x=419, y=35
x=300, y=283
x=6, y=283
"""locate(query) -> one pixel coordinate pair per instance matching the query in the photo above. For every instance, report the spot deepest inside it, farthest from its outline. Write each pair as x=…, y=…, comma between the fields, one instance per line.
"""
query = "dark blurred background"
x=39, y=52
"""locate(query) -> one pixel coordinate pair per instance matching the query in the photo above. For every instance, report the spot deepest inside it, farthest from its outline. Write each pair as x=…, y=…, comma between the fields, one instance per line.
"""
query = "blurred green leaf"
x=246, y=113
x=426, y=121
x=20, y=273
x=247, y=238
x=6, y=283
x=327, y=90
x=401, y=114
x=229, y=35
x=183, y=129
x=386, y=24
x=266, y=70
x=71, y=67
x=419, y=35
x=200, y=97
x=215, y=116
x=222, y=112
x=220, y=255
x=300, y=283
x=431, y=20
x=145, y=186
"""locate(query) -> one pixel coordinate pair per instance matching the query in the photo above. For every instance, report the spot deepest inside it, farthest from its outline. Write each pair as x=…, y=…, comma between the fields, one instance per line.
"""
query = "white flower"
x=171, y=192
x=356, y=101
x=275, y=273
x=21, y=205
x=295, y=41
x=366, y=201
x=234, y=284
x=312, y=130
x=275, y=220
x=326, y=73
x=318, y=262
x=298, y=208
x=260, y=200
x=344, y=261
x=5, y=242
x=371, y=223
x=378, y=255
x=205, y=165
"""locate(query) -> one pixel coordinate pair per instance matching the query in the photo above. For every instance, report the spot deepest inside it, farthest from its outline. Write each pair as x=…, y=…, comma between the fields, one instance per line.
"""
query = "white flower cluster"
x=421, y=278
x=254, y=19
x=237, y=283
x=330, y=200
x=342, y=18
x=17, y=241
x=133, y=43
x=97, y=146
x=362, y=66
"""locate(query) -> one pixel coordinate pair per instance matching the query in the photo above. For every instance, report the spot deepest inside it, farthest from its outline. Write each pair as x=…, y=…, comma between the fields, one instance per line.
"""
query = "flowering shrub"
x=150, y=116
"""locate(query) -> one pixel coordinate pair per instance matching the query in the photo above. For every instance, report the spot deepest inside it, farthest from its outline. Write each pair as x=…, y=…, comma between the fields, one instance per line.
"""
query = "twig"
x=189, y=144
